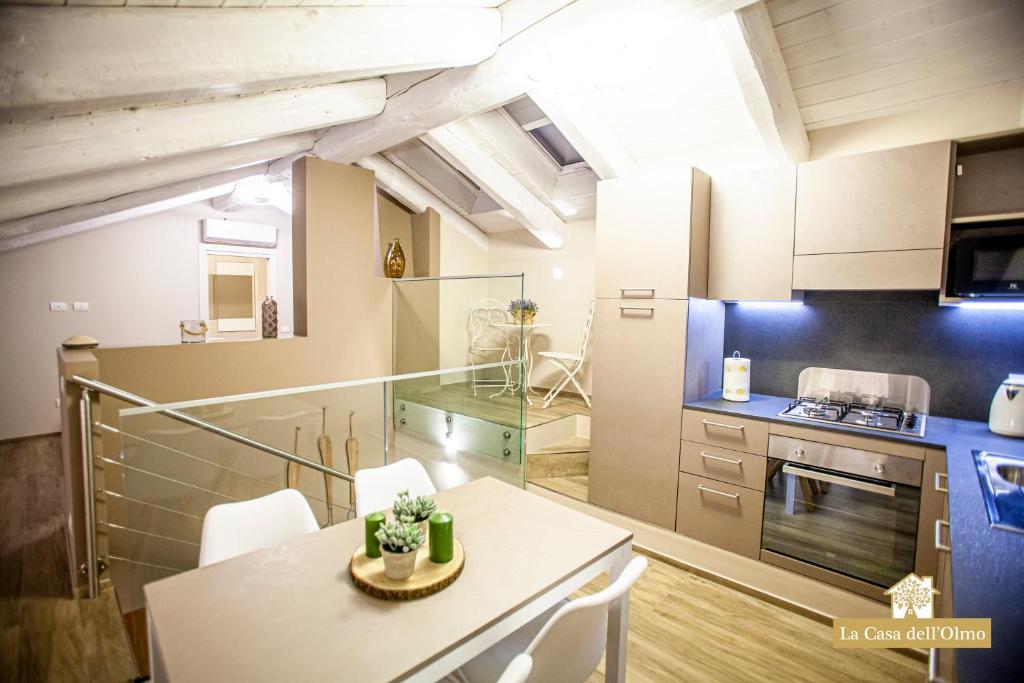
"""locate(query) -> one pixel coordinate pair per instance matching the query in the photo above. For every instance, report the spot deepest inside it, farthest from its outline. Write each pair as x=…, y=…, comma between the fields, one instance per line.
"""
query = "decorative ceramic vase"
x=399, y=565
x=522, y=317
x=269, y=309
x=394, y=260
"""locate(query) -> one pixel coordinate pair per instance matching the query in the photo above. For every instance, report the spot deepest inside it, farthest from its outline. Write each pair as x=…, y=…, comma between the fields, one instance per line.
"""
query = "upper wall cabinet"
x=652, y=236
x=751, y=247
x=891, y=201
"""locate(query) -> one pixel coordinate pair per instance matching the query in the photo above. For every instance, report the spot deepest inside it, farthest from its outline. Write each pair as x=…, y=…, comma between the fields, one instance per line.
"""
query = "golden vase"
x=394, y=260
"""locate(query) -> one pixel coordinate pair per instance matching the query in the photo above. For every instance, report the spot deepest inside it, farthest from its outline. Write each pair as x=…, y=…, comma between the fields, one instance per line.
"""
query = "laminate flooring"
x=683, y=627
x=45, y=635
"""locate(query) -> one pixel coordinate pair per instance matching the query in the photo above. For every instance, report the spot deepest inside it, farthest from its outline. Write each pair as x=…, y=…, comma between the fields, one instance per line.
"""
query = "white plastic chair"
x=485, y=340
x=377, y=487
x=237, y=528
x=570, y=363
x=564, y=644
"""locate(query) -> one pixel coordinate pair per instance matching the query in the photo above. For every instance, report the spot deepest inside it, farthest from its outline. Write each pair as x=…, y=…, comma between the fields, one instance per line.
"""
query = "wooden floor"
x=686, y=628
x=44, y=634
x=573, y=486
x=504, y=410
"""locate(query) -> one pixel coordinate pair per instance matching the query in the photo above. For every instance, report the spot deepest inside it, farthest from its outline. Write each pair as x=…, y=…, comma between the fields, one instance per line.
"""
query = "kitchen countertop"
x=988, y=564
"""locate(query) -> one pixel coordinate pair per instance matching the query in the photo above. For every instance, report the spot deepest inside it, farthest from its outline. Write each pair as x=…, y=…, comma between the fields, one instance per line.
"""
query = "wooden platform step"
x=576, y=444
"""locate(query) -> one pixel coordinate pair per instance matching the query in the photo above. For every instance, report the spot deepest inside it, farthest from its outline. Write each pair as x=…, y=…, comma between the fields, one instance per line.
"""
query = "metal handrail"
x=206, y=426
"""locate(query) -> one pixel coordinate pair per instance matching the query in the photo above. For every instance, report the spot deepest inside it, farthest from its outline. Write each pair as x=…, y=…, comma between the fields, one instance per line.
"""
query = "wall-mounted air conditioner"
x=222, y=231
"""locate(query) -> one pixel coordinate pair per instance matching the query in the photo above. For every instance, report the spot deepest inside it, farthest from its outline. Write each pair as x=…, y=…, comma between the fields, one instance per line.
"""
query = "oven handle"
x=842, y=481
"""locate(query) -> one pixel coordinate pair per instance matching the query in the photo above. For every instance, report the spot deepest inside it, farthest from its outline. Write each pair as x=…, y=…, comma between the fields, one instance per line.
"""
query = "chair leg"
x=586, y=399
x=556, y=389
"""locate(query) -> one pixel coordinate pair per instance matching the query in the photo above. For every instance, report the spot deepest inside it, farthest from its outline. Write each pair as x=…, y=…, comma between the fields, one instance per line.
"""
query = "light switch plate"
x=81, y=305
x=58, y=306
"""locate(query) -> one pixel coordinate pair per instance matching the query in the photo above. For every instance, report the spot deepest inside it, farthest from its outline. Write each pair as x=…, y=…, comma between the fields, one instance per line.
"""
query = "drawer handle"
x=623, y=290
x=933, y=666
x=709, y=423
x=716, y=457
x=646, y=309
x=939, y=545
x=705, y=489
x=939, y=488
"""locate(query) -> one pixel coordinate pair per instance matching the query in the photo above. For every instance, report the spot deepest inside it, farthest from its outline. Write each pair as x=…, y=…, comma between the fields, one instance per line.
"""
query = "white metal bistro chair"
x=564, y=644
x=487, y=342
x=570, y=363
x=234, y=529
x=377, y=487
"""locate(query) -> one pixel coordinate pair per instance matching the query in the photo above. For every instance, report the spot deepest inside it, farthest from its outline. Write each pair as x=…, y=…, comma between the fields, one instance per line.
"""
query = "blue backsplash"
x=963, y=353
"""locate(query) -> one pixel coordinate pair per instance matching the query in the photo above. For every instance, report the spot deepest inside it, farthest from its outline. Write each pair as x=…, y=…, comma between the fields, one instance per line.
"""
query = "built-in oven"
x=842, y=515
x=989, y=266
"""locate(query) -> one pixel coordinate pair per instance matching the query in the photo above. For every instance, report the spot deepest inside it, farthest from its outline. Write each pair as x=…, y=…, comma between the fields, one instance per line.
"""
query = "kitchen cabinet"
x=652, y=236
x=750, y=256
x=912, y=269
x=873, y=221
x=891, y=200
x=721, y=464
x=726, y=431
x=634, y=420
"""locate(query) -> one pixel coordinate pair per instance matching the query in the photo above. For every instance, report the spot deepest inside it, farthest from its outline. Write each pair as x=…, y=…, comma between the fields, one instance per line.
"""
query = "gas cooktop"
x=864, y=400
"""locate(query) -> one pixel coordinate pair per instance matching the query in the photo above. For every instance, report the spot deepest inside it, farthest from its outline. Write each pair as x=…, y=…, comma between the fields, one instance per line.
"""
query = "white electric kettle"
x=1007, y=414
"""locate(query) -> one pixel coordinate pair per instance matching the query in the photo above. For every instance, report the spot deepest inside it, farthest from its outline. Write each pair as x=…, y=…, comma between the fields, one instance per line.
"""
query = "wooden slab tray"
x=427, y=579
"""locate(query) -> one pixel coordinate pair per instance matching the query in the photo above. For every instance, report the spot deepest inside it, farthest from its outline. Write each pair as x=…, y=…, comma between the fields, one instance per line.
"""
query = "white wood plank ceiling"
x=851, y=60
x=645, y=83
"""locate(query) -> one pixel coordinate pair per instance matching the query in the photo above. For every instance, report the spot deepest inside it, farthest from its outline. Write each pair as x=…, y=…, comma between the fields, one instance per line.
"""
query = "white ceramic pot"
x=398, y=565
x=425, y=528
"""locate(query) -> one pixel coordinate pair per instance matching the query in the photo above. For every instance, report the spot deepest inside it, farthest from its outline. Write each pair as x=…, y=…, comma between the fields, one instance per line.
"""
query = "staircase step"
x=576, y=444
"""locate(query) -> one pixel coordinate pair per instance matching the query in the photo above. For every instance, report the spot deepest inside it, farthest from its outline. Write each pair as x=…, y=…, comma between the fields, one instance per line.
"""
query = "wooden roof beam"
x=541, y=221
x=42, y=150
x=73, y=60
x=753, y=49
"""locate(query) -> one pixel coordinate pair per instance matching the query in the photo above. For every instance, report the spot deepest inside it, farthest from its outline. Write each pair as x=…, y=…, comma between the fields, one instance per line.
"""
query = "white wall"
x=991, y=110
x=140, y=278
x=563, y=300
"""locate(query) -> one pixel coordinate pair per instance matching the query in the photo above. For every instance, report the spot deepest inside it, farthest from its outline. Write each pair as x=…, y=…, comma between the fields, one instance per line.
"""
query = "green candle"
x=442, y=539
x=373, y=522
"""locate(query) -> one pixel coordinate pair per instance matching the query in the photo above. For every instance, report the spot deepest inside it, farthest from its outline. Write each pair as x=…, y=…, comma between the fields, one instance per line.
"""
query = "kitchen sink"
x=1002, y=485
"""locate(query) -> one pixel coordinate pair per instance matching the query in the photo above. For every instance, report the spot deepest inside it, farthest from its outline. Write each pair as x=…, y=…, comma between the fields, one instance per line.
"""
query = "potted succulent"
x=398, y=544
x=523, y=311
x=409, y=510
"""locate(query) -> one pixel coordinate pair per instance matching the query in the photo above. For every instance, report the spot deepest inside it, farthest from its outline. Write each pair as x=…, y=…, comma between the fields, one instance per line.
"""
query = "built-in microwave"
x=990, y=266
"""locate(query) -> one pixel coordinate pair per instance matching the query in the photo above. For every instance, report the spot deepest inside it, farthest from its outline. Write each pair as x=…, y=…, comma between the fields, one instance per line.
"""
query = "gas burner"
x=877, y=417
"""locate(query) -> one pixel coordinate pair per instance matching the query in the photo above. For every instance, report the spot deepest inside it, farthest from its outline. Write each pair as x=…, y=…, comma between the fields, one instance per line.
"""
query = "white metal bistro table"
x=291, y=612
x=512, y=332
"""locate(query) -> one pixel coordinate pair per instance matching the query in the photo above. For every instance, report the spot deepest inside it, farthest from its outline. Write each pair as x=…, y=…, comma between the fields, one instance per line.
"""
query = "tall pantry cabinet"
x=656, y=339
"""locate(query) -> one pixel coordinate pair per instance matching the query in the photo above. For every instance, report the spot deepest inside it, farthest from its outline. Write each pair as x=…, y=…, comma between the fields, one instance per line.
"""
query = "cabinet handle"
x=938, y=477
x=648, y=309
x=939, y=545
x=709, y=423
x=933, y=665
x=716, y=457
x=705, y=489
x=623, y=290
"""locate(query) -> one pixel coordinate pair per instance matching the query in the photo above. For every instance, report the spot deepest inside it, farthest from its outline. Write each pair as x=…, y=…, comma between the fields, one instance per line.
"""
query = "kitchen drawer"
x=720, y=514
x=722, y=464
x=726, y=431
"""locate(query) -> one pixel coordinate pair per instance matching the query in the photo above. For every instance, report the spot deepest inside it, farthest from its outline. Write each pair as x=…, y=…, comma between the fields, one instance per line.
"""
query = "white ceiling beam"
x=48, y=226
x=753, y=49
x=33, y=198
x=543, y=223
x=41, y=150
x=424, y=166
x=587, y=132
x=74, y=60
x=517, y=66
x=406, y=190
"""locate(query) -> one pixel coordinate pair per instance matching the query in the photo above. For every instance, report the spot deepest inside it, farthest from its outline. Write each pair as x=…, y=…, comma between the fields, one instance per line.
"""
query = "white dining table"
x=512, y=332
x=292, y=612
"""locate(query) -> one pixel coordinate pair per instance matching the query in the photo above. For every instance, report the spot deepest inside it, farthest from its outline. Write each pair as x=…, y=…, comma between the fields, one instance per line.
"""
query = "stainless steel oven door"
x=862, y=527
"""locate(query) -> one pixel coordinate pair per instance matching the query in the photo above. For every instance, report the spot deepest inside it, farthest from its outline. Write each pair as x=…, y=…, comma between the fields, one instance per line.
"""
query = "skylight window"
x=555, y=144
x=529, y=116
